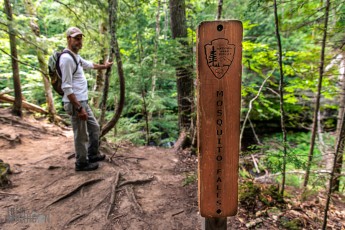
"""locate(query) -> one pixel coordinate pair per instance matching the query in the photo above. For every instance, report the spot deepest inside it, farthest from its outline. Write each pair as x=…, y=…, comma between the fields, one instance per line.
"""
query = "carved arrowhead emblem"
x=219, y=55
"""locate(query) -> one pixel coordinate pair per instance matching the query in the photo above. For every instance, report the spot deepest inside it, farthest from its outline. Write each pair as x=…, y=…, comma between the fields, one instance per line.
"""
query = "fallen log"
x=29, y=106
x=26, y=105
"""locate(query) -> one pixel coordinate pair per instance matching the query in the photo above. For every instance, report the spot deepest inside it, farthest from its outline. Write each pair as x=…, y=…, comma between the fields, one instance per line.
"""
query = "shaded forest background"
x=293, y=81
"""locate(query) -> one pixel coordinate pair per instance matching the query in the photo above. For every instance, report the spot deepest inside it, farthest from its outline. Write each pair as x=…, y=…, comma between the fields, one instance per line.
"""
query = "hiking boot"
x=95, y=158
x=86, y=166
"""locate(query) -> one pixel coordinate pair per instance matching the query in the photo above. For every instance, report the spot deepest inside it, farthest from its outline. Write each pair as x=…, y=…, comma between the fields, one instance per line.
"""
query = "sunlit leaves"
x=145, y=57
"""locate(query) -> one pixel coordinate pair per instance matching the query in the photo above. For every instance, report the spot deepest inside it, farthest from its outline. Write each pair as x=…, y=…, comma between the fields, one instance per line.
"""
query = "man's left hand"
x=107, y=64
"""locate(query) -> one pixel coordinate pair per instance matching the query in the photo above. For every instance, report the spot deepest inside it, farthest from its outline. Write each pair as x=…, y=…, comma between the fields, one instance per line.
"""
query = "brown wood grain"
x=219, y=69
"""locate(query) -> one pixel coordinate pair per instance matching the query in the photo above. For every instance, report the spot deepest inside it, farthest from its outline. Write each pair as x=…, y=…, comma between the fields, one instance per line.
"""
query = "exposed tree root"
x=12, y=140
x=7, y=194
x=52, y=167
x=183, y=141
x=131, y=197
x=116, y=217
x=14, y=120
x=72, y=155
x=90, y=182
x=128, y=157
x=86, y=213
x=141, y=181
x=35, y=163
x=178, y=213
x=137, y=158
x=113, y=194
x=76, y=218
x=111, y=158
x=53, y=182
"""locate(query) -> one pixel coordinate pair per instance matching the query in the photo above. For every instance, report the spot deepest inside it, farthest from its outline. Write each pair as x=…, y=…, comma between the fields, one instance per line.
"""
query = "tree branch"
x=20, y=36
x=251, y=104
x=76, y=15
x=26, y=64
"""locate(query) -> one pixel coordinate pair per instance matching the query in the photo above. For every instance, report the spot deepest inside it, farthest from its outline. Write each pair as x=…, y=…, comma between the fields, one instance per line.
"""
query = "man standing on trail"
x=74, y=85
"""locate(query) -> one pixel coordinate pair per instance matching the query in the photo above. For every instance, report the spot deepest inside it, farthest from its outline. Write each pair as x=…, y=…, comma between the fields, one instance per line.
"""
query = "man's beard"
x=76, y=48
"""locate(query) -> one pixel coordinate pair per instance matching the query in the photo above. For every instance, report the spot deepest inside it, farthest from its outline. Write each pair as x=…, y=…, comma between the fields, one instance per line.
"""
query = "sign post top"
x=221, y=21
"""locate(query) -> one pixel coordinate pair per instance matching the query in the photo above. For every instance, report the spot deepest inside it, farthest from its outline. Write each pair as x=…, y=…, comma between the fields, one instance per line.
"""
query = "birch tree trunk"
x=281, y=94
x=17, y=105
x=41, y=60
x=318, y=96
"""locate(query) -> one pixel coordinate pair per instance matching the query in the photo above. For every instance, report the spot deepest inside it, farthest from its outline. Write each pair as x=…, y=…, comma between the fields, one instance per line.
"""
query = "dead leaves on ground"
x=261, y=206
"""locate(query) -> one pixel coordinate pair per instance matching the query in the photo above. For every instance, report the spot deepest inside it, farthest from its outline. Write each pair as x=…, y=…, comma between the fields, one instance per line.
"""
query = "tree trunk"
x=340, y=138
x=339, y=146
x=146, y=115
x=317, y=103
x=41, y=60
x=281, y=93
x=220, y=9
x=114, y=51
x=100, y=73
x=154, y=76
x=17, y=105
x=105, y=80
x=166, y=20
x=143, y=89
x=185, y=83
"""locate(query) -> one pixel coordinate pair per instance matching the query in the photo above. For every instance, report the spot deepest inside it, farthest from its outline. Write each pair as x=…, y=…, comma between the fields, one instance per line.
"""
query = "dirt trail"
x=38, y=152
x=46, y=193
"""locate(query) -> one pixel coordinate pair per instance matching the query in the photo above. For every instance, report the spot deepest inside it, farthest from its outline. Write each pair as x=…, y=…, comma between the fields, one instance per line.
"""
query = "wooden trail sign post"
x=219, y=66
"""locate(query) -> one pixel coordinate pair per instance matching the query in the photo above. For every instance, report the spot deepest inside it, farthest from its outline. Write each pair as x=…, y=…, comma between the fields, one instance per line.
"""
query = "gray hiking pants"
x=86, y=133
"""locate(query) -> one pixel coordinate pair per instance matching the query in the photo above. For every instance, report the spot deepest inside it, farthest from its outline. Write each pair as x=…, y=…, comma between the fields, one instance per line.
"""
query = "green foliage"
x=298, y=148
x=5, y=170
x=244, y=174
x=190, y=178
x=291, y=224
x=253, y=196
x=248, y=194
x=148, y=58
x=297, y=156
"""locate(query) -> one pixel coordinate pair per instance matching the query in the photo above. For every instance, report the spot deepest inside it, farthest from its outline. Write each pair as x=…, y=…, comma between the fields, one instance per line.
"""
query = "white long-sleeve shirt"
x=76, y=83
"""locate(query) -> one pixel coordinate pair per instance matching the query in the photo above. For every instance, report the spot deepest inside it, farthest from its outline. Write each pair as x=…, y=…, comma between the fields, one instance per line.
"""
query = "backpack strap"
x=72, y=55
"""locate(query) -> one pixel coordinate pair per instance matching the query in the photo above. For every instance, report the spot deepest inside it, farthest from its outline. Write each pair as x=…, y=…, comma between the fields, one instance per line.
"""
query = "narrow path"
x=42, y=173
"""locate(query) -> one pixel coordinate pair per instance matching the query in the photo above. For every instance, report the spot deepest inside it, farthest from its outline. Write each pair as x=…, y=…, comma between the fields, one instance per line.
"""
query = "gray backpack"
x=55, y=71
